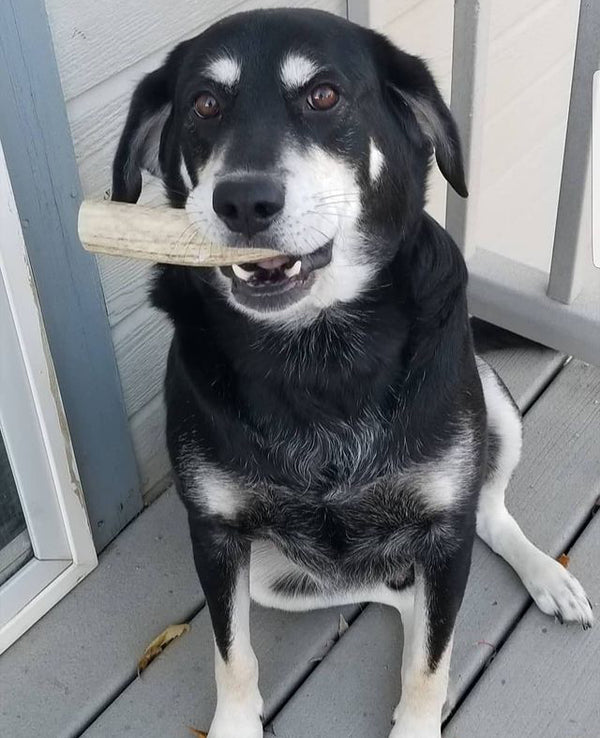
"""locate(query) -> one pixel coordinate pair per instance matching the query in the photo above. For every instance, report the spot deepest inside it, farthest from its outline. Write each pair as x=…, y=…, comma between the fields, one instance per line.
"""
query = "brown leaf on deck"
x=197, y=733
x=160, y=642
x=563, y=560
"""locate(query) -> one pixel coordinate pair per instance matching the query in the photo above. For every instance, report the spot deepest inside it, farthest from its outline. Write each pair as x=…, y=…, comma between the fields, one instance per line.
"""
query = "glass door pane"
x=15, y=544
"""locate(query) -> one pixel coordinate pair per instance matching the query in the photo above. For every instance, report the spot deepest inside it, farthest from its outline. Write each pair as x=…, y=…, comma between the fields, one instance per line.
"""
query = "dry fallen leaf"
x=342, y=625
x=197, y=733
x=160, y=642
x=563, y=560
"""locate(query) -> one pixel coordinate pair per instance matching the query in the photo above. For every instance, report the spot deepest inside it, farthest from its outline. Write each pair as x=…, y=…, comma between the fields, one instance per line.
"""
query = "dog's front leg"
x=428, y=633
x=222, y=561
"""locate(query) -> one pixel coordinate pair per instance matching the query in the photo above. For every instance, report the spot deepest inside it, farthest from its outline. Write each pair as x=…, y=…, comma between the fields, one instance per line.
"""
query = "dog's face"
x=297, y=131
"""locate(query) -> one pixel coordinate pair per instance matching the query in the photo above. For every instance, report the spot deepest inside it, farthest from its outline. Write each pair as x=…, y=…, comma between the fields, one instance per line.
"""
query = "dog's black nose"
x=248, y=205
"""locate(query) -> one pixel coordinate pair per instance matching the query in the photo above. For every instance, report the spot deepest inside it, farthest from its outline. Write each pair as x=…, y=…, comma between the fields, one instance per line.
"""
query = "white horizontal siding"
x=529, y=81
x=529, y=72
x=96, y=40
x=141, y=342
x=148, y=433
x=422, y=27
x=103, y=50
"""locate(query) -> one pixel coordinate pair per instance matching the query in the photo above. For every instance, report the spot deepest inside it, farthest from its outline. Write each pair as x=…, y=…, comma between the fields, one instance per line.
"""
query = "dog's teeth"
x=240, y=272
x=294, y=270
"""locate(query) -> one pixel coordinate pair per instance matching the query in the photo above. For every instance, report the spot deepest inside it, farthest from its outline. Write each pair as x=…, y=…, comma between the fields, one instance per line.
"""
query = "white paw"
x=557, y=592
x=234, y=724
x=415, y=729
x=408, y=725
x=237, y=720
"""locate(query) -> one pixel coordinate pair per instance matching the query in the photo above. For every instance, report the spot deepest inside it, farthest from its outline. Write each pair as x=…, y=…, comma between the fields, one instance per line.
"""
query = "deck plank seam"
x=128, y=681
x=271, y=715
x=545, y=385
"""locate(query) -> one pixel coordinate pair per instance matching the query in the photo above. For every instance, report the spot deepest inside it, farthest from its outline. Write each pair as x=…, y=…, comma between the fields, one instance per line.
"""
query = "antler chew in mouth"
x=156, y=234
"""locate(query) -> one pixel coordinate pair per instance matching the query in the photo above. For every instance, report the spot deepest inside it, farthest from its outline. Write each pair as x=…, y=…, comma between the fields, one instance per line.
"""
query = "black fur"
x=322, y=423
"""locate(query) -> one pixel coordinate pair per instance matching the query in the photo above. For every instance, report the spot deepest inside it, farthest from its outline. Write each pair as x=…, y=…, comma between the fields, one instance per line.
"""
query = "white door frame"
x=37, y=440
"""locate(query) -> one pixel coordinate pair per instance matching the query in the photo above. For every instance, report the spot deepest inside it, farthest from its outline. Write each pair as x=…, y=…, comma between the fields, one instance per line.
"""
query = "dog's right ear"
x=139, y=145
x=408, y=83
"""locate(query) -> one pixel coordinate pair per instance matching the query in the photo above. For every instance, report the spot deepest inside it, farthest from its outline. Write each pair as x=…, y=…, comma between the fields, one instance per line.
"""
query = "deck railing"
x=560, y=309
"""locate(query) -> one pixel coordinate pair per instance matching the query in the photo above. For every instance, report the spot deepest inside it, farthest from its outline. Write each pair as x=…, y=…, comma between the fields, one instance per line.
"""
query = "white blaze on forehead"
x=225, y=70
x=296, y=70
x=376, y=161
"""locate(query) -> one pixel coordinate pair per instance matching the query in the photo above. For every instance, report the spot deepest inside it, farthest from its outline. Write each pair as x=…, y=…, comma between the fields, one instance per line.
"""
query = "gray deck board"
x=516, y=365
x=81, y=654
x=554, y=489
x=545, y=681
x=525, y=367
x=177, y=690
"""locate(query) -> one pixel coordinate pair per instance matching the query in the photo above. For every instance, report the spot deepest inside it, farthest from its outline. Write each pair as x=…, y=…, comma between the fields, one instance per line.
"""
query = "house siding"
x=529, y=69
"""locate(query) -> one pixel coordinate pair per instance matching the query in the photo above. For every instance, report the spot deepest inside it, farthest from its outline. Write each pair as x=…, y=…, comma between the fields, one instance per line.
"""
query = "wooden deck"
x=515, y=672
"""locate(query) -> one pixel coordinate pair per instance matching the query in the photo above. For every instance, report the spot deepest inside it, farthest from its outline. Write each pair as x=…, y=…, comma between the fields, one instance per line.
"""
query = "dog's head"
x=298, y=131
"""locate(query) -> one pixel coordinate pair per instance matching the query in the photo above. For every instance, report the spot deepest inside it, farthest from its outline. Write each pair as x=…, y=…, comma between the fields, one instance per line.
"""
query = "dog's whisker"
x=327, y=213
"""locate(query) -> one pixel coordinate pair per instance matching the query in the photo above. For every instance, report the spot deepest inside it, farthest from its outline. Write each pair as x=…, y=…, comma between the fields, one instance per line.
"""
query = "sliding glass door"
x=45, y=541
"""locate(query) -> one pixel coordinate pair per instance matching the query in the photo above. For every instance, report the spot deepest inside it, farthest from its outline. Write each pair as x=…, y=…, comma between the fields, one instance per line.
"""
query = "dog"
x=334, y=437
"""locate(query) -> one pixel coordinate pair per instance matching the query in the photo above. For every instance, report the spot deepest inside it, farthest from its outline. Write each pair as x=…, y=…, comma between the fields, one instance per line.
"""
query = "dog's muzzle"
x=276, y=283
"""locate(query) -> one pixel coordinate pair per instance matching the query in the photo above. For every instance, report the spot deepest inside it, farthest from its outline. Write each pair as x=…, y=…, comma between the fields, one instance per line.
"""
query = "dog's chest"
x=346, y=498
x=341, y=528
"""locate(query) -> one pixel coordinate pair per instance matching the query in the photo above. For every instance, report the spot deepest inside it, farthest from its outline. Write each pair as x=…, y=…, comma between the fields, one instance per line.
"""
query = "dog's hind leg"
x=222, y=560
x=555, y=591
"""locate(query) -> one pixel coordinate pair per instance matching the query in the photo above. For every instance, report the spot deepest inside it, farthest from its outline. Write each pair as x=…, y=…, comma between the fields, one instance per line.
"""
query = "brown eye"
x=323, y=97
x=206, y=106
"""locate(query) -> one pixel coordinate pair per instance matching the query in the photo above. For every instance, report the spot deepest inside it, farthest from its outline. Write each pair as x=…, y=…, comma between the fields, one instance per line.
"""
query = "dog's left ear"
x=407, y=81
x=140, y=143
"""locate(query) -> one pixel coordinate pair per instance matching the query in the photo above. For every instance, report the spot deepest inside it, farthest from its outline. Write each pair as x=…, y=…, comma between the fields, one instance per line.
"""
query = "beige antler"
x=157, y=234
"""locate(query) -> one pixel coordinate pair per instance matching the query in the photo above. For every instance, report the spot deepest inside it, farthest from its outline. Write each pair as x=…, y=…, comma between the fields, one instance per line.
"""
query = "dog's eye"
x=323, y=97
x=207, y=106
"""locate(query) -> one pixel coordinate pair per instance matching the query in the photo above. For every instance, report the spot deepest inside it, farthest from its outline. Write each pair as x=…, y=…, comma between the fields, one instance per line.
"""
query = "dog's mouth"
x=276, y=283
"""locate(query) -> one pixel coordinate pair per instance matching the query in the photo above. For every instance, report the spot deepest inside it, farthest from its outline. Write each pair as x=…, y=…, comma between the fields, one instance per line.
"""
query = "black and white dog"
x=334, y=437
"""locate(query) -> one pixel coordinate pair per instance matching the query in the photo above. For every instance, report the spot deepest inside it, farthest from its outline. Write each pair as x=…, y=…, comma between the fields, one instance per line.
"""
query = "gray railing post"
x=469, y=73
x=359, y=11
x=572, y=251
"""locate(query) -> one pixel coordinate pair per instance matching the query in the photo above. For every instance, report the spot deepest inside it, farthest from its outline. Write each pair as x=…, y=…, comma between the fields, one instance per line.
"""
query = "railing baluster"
x=469, y=72
x=571, y=252
x=596, y=171
x=359, y=11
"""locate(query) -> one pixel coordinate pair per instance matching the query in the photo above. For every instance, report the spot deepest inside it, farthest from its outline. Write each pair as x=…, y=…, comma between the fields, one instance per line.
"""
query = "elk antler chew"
x=157, y=234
